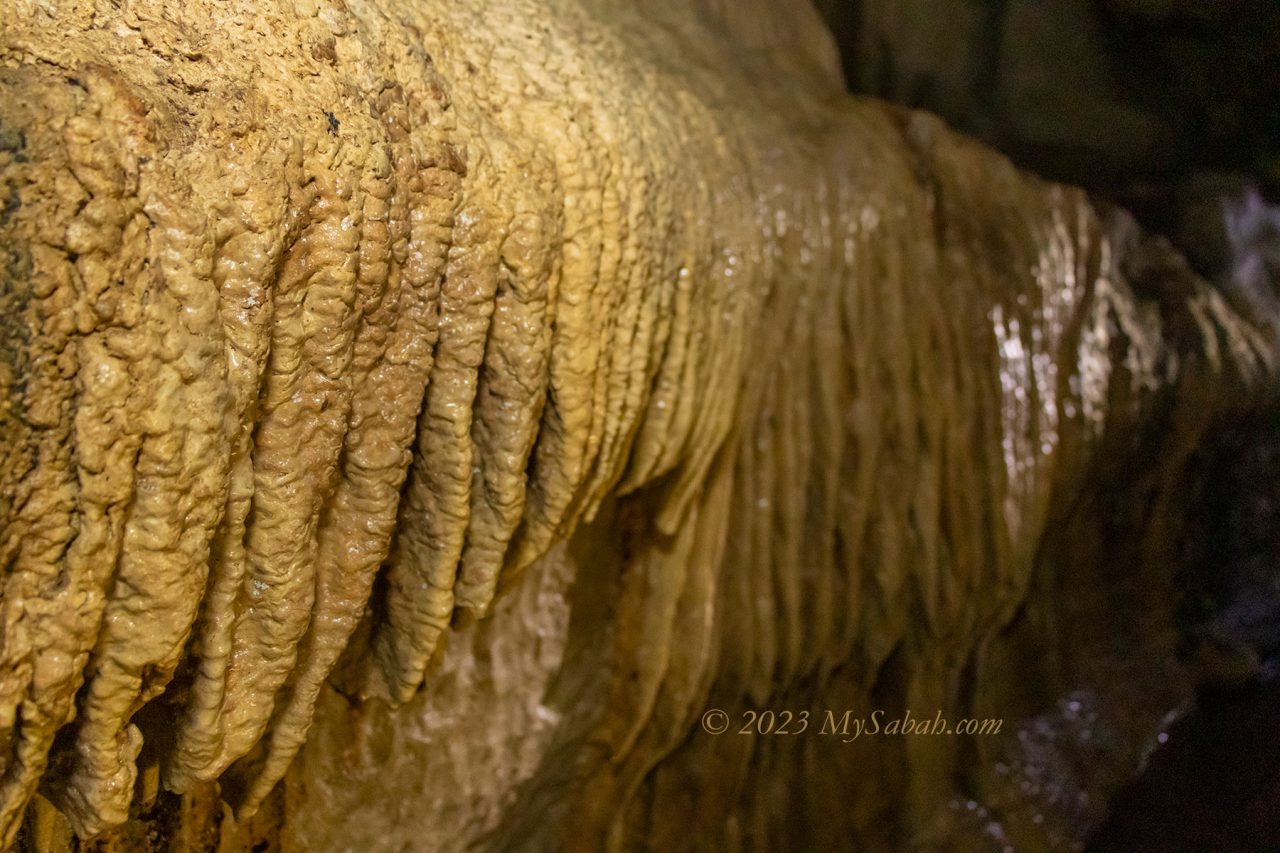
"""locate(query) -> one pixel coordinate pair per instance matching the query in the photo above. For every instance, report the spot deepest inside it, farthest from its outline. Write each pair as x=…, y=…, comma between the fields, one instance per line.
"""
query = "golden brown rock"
x=322, y=322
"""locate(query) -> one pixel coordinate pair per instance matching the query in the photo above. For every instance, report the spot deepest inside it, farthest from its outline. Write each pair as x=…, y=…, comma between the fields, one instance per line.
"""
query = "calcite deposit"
x=512, y=382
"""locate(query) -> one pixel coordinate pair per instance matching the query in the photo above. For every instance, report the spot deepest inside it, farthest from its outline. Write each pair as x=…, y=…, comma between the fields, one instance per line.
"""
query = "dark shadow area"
x=1214, y=782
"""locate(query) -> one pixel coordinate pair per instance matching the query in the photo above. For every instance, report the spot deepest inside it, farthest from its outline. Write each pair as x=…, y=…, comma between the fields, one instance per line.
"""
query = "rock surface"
x=1129, y=97
x=325, y=322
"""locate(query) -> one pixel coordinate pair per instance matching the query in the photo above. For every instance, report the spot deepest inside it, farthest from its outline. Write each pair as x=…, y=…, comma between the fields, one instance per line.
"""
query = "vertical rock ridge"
x=327, y=321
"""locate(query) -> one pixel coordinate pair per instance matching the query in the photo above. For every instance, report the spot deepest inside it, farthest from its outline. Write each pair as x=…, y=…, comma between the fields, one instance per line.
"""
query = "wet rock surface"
x=418, y=415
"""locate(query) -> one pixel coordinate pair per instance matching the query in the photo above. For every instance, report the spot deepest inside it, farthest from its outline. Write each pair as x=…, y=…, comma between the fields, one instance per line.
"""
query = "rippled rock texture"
x=445, y=403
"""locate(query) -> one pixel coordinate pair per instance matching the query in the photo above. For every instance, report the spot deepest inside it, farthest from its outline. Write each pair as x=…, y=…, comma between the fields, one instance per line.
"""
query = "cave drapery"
x=437, y=406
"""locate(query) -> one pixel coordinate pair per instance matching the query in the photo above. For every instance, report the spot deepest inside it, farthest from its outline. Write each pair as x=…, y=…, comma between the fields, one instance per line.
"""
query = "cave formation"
x=418, y=416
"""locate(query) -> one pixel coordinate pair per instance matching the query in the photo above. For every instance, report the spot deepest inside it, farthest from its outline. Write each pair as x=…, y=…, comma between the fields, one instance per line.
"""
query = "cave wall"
x=1122, y=96
x=438, y=406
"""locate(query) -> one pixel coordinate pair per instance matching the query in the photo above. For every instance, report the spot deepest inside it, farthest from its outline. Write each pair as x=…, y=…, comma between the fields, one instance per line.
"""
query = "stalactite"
x=337, y=326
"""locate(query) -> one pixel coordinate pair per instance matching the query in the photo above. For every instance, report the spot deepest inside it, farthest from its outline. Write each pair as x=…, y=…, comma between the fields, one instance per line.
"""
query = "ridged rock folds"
x=323, y=322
